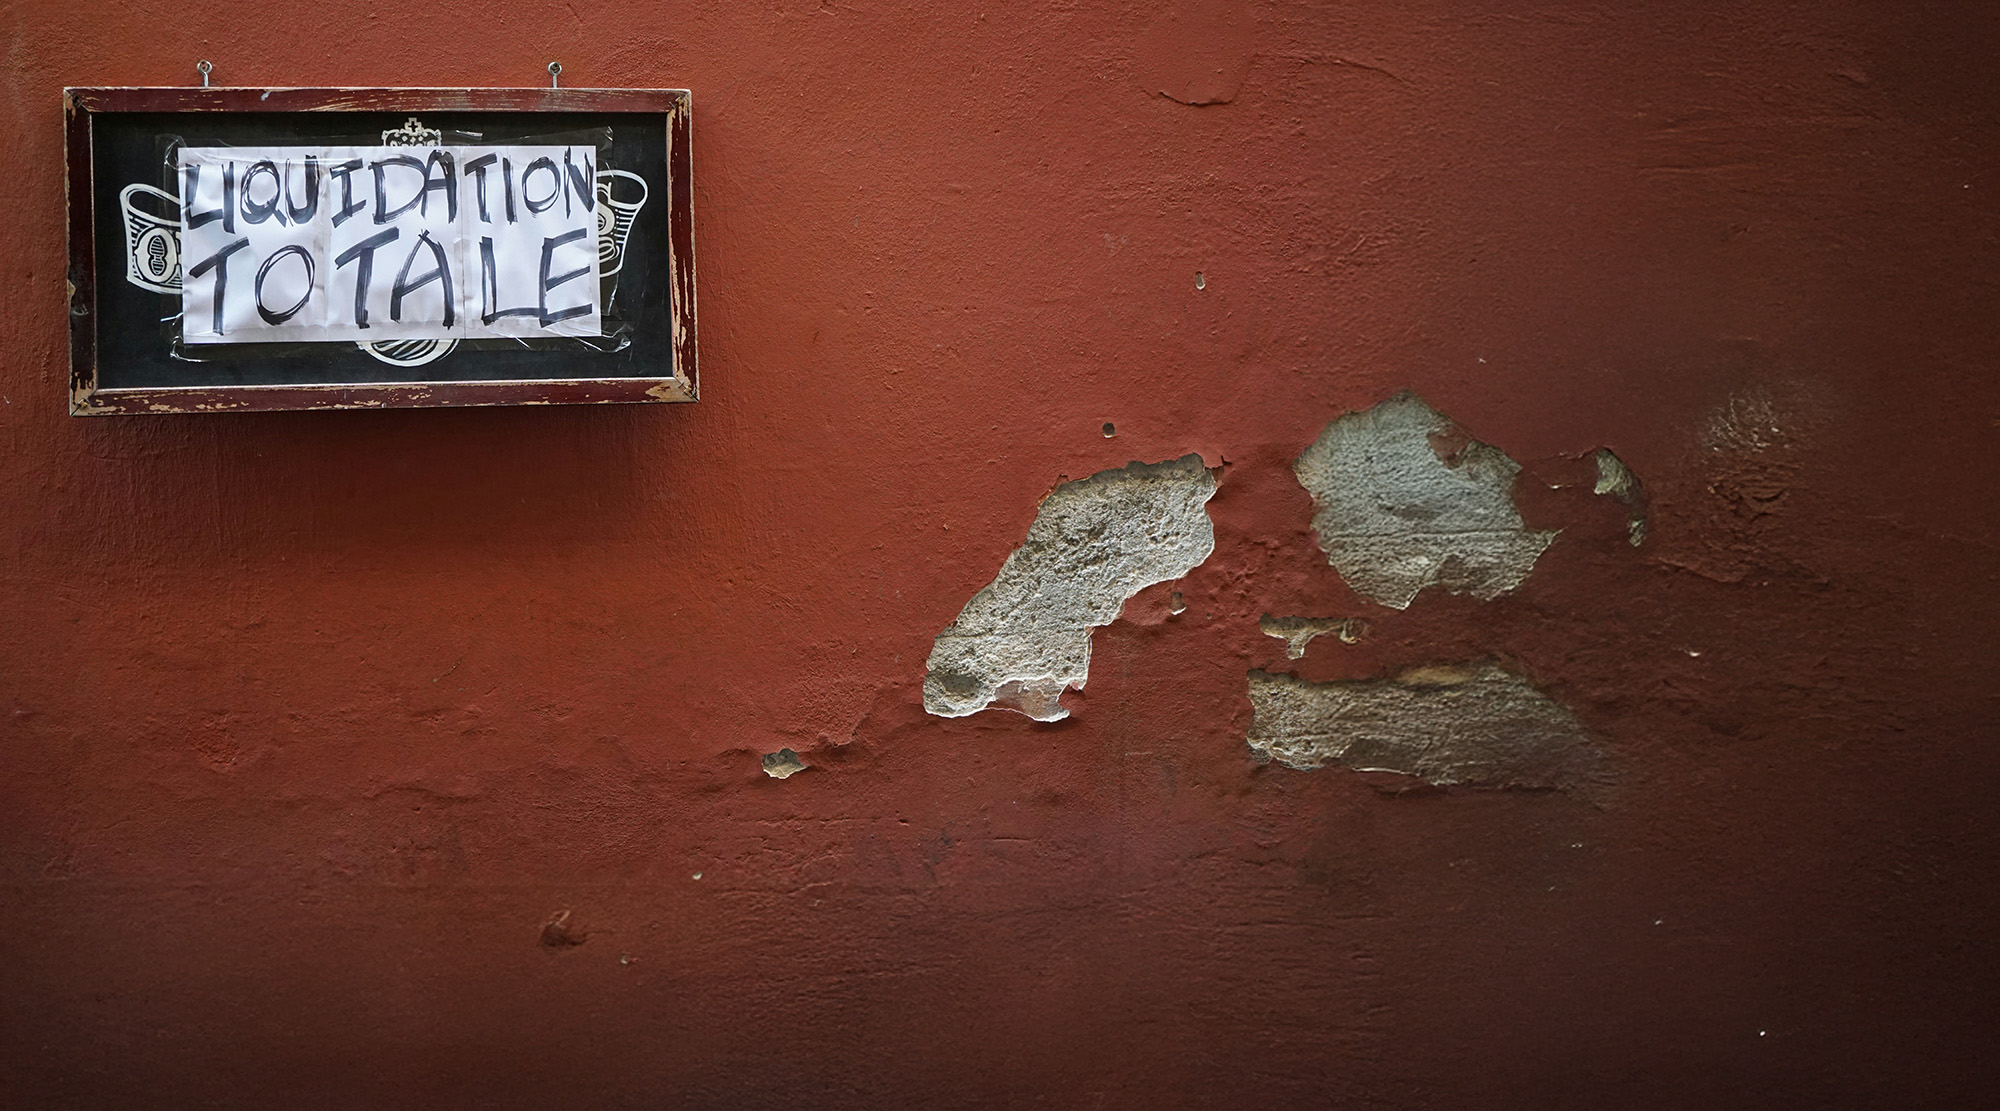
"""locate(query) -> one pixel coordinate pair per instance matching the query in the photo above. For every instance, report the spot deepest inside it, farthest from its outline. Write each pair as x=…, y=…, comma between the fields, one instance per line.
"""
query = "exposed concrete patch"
x=1474, y=726
x=1617, y=480
x=1025, y=638
x=1297, y=632
x=783, y=764
x=1402, y=500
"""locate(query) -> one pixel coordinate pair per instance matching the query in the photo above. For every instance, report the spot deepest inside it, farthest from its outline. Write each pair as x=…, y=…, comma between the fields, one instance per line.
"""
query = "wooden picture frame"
x=107, y=377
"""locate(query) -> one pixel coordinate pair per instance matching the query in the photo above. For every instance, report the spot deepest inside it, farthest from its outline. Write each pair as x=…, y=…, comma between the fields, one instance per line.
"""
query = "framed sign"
x=247, y=249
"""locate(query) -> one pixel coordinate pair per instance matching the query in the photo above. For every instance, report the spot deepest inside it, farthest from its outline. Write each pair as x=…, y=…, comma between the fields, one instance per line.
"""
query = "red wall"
x=314, y=722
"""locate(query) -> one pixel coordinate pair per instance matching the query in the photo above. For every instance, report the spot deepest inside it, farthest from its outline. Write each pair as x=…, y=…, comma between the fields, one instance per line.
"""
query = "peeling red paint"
x=1198, y=52
x=314, y=722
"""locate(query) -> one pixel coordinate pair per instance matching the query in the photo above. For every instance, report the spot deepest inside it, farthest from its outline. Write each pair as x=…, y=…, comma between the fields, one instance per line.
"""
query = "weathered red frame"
x=81, y=106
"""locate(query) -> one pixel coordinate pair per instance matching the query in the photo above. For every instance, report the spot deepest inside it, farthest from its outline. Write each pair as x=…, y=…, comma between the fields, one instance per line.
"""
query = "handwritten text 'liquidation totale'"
x=289, y=244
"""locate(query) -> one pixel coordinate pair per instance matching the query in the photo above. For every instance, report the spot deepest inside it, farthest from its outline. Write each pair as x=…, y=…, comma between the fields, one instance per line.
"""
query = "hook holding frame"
x=204, y=66
x=555, y=75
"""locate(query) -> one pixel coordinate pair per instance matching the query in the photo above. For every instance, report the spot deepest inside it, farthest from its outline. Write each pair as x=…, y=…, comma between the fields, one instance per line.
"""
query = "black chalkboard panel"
x=126, y=354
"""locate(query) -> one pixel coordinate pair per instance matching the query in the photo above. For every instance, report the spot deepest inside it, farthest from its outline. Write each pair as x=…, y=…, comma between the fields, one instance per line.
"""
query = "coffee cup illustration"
x=409, y=352
x=615, y=216
x=152, y=239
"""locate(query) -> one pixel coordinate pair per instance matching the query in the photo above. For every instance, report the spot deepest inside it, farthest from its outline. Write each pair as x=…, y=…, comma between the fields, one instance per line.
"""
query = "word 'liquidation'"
x=289, y=244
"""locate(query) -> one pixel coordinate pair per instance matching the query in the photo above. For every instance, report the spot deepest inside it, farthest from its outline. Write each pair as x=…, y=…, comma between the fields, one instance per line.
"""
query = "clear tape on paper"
x=447, y=198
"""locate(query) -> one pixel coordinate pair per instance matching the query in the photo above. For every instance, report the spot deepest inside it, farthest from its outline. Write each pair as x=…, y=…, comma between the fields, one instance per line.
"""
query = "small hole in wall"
x=1110, y=430
x=1176, y=604
x=1199, y=281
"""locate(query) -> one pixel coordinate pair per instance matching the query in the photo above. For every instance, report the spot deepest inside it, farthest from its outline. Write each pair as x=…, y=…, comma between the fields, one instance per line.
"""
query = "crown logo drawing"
x=412, y=134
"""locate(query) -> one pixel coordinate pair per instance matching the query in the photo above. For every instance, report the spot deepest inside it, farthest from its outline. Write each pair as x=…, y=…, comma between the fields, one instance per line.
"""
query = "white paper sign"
x=360, y=244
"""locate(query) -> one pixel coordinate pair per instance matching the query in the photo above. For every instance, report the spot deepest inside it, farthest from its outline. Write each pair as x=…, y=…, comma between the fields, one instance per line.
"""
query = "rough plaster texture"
x=1478, y=726
x=1397, y=510
x=1025, y=638
x=311, y=724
